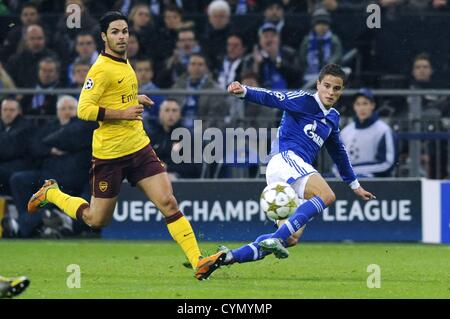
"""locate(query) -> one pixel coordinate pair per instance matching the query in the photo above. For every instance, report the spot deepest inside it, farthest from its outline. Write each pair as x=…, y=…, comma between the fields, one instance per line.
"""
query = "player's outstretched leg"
x=320, y=197
x=246, y=253
x=255, y=251
x=302, y=215
x=274, y=246
x=225, y=256
x=11, y=287
x=50, y=193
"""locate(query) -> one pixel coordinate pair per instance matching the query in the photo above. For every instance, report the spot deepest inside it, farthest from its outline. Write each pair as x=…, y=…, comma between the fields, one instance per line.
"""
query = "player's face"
x=330, y=90
x=117, y=37
x=363, y=108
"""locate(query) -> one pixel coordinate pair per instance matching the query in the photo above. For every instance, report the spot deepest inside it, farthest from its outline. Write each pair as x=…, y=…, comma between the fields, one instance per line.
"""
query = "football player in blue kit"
x=309, y=122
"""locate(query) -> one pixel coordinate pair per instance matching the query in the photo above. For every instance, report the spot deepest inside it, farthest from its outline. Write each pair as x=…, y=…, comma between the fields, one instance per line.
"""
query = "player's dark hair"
x=109, y=17
x=334, y=70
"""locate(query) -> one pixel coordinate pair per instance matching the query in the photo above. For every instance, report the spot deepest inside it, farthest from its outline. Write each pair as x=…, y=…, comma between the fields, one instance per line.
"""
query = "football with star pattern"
x=279, y=200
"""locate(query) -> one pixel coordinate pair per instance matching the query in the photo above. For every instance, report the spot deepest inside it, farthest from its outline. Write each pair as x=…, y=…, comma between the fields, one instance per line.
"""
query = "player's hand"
x=363, y=194
x=145, y=100
x=133, y=113
x=236, y=88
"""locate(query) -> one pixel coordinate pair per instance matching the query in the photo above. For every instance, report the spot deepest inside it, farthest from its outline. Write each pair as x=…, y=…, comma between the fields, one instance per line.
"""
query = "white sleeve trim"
x=355, y=184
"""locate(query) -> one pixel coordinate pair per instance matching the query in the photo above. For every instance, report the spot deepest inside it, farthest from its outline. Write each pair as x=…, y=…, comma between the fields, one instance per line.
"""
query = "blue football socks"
x=250, y=252
x=301, y=216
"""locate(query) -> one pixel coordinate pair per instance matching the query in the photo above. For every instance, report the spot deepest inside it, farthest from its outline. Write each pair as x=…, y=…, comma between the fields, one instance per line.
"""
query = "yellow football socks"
x=68, y=204
x=181, y=231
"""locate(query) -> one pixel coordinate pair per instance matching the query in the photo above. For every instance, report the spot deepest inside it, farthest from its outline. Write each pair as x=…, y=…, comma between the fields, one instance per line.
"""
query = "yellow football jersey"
x=112, y=84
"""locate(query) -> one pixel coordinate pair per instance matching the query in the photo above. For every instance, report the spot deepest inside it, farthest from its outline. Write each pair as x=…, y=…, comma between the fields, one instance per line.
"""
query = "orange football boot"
x=207, y=265
x=39, y=199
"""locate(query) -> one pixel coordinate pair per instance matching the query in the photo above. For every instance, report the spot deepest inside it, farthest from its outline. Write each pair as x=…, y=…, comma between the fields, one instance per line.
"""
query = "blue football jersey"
x=305, y=127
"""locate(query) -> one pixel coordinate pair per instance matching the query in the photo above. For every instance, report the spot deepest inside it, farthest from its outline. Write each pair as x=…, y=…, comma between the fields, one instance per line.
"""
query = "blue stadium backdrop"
x=229, y=210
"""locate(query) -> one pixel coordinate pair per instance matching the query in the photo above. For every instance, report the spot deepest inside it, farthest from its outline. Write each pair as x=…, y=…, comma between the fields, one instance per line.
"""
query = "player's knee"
x=168, y=202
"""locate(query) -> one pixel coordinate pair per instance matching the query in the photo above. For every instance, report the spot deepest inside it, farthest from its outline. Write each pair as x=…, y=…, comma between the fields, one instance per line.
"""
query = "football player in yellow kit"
x=121, y=147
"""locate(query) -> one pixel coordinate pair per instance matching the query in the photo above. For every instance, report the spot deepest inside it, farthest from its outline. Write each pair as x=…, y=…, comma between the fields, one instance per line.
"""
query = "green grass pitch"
x=151, y=269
